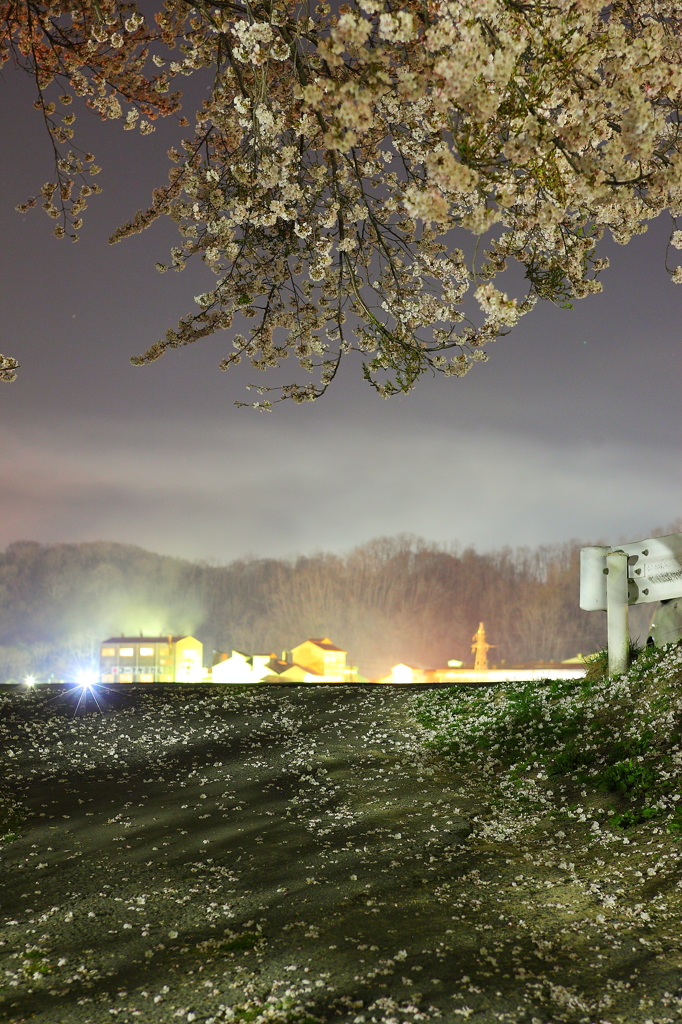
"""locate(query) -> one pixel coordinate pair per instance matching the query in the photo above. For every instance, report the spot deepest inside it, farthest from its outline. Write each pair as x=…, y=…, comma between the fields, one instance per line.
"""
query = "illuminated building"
x=151, y=659
x=313, y=661
x=261, y=668
x=403, y=675
x=323, y=658
x=237, y=668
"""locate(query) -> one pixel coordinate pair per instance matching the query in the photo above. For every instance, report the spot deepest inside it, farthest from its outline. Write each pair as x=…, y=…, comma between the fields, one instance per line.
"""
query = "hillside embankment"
x=304, y=854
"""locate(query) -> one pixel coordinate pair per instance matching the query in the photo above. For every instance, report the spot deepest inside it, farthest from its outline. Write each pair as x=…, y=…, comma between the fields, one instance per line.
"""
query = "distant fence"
x=611, y=579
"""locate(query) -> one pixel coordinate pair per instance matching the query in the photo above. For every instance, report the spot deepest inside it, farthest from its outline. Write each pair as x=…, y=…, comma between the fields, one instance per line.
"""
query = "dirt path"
x=281, y=854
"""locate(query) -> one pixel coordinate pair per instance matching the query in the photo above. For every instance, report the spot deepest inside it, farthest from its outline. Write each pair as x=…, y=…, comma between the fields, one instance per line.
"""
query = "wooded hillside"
x=393, y=599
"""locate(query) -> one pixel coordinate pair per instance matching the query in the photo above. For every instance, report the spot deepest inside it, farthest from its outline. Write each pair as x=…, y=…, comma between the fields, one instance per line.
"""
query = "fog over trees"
x=392, y=599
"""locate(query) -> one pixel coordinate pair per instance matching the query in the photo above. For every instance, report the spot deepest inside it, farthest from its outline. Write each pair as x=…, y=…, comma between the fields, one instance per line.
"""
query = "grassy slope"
x=616, y=743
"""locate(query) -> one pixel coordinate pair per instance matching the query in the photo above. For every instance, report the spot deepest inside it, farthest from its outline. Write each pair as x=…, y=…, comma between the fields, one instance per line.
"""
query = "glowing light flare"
x=87, y=678
x=30, y=680
x=402, y=675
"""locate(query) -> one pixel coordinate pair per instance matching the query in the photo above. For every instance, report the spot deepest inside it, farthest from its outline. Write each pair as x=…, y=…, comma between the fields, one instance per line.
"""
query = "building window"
x=108, y=652
x=145, y=652
x=108, y=677
x=125, y=677
x=126, y=652
x=146, y=677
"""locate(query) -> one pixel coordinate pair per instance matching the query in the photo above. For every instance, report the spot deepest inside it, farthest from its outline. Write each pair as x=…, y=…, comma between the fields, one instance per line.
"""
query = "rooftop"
x=325, y=643
x=143, y=639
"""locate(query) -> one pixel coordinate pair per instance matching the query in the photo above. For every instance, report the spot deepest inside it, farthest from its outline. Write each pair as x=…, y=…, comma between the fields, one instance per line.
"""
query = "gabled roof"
x=325, y=643
x=277, y=666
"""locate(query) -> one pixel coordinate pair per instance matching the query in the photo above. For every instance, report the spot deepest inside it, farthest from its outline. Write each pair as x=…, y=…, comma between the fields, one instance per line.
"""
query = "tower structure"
x=480, y=648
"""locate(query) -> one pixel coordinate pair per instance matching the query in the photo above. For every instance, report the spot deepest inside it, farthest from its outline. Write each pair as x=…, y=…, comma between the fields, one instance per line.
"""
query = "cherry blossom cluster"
x=347, y=164
x=8, y=369
x=95, y=51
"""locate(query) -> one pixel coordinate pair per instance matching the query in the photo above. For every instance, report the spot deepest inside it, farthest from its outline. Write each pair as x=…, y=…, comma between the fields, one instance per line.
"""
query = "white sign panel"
x=654, y=571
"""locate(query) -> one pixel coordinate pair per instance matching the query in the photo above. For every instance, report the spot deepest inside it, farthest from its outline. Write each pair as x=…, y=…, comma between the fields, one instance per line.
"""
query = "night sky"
x=571, y=430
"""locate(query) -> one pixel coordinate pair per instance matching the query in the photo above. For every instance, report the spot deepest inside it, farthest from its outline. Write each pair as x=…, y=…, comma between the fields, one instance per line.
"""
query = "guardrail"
x=611, y=579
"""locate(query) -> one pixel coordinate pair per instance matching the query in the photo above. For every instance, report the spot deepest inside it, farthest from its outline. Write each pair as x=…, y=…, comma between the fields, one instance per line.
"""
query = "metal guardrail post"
x=617, y=611
x=639, y=573
x=592, y=578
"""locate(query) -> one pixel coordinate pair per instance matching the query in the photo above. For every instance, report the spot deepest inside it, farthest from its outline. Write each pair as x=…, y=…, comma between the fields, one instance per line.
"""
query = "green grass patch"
x=12, y=817
x=598, y=663
x=238, y=943
x=627, y=778
x=278, y=1011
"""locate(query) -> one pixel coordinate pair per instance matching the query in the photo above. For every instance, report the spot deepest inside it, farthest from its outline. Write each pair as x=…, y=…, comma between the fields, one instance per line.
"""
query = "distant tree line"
x=392, y=599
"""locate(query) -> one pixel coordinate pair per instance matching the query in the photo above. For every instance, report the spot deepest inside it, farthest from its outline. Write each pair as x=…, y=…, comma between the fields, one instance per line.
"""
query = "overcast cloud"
x=231, y=493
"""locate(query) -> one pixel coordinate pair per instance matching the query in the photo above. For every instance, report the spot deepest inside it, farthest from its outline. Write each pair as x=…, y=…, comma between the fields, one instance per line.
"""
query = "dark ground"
x=289, y=854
